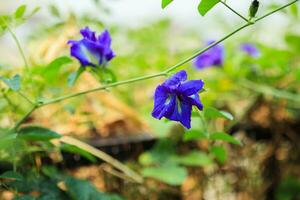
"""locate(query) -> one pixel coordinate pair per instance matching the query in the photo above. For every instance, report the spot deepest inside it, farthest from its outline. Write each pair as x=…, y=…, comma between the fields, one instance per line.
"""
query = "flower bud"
x=253, y=8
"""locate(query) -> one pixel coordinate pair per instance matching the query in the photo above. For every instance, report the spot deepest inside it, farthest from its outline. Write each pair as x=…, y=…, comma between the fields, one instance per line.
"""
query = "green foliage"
x=51, y=71
x=173, y=175
x=35, y=133
x=212, y=113
x=20, y=11
x=224, y=137
x=166, y=163
x=84, y=190
x=11, y=175
x=74, y=76
x=76, y=150
x=288, y=189
x=165, y=3
x=193, y=158
x=220, y=153
x=46, y=185
x=54, y=11
x=194, y=134
x=206, y=5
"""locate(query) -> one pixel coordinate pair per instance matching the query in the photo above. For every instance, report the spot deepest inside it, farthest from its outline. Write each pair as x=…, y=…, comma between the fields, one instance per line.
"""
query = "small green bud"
x=253, y=8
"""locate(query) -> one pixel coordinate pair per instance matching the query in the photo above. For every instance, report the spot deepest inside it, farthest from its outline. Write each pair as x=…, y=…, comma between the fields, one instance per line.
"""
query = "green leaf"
x=172, y=175
x=35, y=133
x=224, y=137
x=193, y=134
x=54, y=11
x=74, y=76
x=294, y=10
x=220, y=153
x=13, y=83
x=6, y=139
x=194, y=158
x=84, y=190
x=35, y=10
x=76, y=150
x=206, y=5
x=160, y=153
x=11, y=175
x=25, y=197
x=52, y=69
x=20, y=11
x=212, y=113
x=165, y=3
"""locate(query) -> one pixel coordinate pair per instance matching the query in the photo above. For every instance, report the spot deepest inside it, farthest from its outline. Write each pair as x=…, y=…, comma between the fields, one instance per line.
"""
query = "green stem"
x=276, y=10
x=14, y=36
x=103, y=87
x=26, y=98
x=197, y=53
x=21, y=121
x=234, y=11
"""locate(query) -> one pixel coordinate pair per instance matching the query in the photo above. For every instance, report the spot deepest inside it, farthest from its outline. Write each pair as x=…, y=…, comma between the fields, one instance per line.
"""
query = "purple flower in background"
x=250, y=49
x=212, y=57
x=92, y=50
x=175, y=97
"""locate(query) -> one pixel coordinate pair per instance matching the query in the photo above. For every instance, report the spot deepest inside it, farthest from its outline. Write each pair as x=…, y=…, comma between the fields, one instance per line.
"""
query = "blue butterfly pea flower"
x=175, y=97
x=92, y=50
x=212, y=57
x=250, y=49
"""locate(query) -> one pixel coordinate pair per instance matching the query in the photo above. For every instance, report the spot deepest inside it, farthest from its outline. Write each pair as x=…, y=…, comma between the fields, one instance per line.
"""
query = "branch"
x=234, y=11
x=14, y=36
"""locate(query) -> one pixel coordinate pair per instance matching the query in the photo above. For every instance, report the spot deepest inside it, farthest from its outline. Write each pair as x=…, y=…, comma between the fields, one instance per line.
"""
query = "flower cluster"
x=175, y=97
x=92, y=50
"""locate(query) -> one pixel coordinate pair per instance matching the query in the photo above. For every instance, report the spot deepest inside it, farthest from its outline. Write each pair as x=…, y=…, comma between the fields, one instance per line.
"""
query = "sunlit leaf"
x=35, y=133
x=173, y=175
x=194, y=158
x=165, y=3
x=224, y=137
x=220, y=153
x=193, y=134
x=74, y=76
x=20, y=11
x=52, y=69
x=76, y=150
x=212, y=113
x=206, y=5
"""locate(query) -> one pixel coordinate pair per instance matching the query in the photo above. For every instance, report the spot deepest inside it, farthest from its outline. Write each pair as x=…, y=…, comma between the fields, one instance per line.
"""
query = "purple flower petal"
x=91, y=51
x=182, y=113
x=175, y=97
x=164, y=103
x=250, y=49
x=212, y=57
x=176, y=79
x=88, y=34
x=190, y=87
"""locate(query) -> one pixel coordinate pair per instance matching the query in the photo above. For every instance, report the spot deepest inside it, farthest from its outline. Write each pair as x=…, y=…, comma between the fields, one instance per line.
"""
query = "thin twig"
x=234, y=11
x=17, y=42
x=26, y=98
